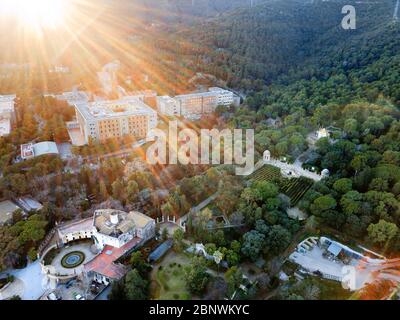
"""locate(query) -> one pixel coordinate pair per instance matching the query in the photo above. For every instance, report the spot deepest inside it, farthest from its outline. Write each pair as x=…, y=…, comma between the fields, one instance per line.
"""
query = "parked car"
x=53, y=296
x=78, y=296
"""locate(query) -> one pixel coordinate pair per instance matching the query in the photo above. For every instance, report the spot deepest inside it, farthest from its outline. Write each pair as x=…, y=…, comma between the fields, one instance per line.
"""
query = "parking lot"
x=317, y=261
x=77, y=290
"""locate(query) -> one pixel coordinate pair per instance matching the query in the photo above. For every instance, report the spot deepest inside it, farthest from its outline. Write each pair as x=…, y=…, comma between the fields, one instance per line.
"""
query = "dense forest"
x=299, y=71
x=312, y=75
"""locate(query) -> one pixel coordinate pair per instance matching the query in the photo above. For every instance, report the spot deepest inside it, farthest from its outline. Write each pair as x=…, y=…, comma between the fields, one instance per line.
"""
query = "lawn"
x=168, y=281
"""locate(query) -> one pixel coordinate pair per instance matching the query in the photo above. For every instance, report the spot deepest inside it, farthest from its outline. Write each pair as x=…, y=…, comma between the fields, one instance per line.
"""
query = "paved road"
x=204, y=203
x=296, y=169
x=31, y=283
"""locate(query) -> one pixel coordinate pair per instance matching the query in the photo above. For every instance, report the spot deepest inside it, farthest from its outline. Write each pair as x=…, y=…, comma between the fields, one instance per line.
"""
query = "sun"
x=36, y=13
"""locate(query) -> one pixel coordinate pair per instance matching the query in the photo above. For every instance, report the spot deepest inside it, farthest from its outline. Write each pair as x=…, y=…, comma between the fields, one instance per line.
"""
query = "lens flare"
x=35, y=13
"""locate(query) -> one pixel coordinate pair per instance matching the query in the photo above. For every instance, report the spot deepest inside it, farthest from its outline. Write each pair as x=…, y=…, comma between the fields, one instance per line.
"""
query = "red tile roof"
x=104, y=263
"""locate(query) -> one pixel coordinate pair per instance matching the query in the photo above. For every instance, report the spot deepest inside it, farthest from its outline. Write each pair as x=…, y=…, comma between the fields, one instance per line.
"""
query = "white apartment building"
x=102, y=120
x=194, y=105
x=7, y=113
x=224, y=97
x=168, y=106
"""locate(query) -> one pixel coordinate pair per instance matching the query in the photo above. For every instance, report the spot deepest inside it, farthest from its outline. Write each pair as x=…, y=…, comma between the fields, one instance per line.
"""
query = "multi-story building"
x=7, y=114
x=196, y=104
x=168, y=106
x=224, y=97
x=116, y=228
x=102, y=120
x=149, y=97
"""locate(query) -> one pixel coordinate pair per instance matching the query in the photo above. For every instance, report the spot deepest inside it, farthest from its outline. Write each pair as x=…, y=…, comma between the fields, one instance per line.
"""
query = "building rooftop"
x=161, y=250
x=140, y=219
x=115, y=222
x=73, y=97
x=5, y=127
x=76, y=226
x=6, y=112
x=196, y=95
x=166, y=98
x=217, y=89
x=112, y=222
x=7, y=208
x=7, y=98
x=146, y=93
x=30, y=150
x=28, y=203
x=104, y=263
x=113, y=109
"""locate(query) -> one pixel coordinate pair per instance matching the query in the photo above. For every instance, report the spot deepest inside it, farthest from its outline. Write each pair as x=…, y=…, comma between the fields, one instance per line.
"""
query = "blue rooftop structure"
x=161, y=250
x=334, y=249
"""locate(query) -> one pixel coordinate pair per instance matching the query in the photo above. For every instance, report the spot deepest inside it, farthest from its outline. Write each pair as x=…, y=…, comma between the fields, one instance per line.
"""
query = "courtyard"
x=70, y=259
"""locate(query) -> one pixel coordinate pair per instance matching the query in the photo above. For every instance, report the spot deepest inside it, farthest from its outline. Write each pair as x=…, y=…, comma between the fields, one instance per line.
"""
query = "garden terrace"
x=295, y=189
x=266, y=173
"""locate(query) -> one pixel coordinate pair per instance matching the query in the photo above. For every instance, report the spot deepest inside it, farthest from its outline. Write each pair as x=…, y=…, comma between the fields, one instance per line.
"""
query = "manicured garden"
x=266, y=173
x=168, y=281
x=73, y=259
x=295, y=189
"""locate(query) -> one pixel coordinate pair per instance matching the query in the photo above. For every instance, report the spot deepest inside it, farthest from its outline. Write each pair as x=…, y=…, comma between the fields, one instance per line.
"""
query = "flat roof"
x=73, y=96
x=196, y=95
x=7, y=208
x=7, y=98
x=149, y=93
x=38, y=149
x=129, y=106
x=125, y=222
x=218, y=89
x=102, y=222
x=334, y=249
x=5, y=127
x=166, y=98
x=76, y=226
x=140, y=219
x=45, y=147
